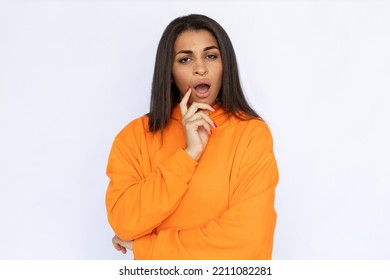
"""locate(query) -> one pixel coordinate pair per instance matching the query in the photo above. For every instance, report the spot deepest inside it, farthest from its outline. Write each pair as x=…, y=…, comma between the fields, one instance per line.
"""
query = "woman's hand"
x=197, y=125
x=121, y=245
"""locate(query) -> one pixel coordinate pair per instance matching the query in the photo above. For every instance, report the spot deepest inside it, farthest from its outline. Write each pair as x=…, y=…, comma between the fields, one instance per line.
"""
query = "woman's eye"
x=211, y=56
x=184, y=59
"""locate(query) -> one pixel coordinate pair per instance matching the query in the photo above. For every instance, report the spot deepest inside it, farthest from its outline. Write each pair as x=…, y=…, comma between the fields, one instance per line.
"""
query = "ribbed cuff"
x=182, y=165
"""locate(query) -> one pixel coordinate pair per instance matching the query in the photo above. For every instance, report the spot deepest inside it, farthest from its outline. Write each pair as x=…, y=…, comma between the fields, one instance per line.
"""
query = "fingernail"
x=188, y=88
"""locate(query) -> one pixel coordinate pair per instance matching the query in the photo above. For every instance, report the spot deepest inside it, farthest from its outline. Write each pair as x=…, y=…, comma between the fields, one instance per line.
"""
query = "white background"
x=73, y=73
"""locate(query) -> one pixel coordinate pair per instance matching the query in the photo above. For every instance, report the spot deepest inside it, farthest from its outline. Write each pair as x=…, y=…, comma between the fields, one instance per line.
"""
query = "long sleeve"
x=244, y=231
x=137, y=200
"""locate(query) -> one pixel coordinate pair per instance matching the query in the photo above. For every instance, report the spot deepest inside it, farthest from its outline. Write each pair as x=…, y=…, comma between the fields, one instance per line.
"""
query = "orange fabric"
x=221, y=207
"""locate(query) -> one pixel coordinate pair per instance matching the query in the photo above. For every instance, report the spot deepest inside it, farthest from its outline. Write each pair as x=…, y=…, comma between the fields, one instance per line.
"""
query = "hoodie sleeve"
x=136, y=202
x=244, y=231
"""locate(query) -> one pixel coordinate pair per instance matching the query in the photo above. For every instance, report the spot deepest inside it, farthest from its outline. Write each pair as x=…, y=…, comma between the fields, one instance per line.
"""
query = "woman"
x=195, y=178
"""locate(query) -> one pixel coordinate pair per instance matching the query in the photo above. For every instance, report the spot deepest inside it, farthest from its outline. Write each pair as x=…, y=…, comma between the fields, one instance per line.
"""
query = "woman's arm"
x=137, y=203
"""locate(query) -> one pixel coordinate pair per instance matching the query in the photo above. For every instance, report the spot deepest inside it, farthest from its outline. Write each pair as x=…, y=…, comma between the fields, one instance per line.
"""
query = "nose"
x=200, y=68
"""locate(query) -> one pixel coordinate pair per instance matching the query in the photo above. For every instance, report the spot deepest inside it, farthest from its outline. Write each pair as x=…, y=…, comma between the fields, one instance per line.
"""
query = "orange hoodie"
x=173, y=207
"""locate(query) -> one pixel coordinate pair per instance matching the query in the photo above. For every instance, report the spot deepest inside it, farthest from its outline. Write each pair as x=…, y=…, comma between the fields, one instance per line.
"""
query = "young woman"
x=195, y=178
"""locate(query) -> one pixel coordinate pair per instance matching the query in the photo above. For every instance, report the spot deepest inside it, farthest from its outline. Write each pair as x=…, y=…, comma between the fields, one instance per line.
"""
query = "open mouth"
x=202, y=88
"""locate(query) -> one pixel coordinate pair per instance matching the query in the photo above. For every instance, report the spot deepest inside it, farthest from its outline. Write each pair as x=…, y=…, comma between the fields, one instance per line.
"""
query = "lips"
x=202, y=89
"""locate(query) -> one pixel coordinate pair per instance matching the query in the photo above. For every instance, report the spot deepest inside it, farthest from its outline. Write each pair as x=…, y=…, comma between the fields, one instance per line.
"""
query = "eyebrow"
x=204, y=50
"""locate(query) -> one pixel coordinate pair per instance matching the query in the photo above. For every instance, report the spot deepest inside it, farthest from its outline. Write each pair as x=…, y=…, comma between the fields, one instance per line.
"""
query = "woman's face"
x=197, y=64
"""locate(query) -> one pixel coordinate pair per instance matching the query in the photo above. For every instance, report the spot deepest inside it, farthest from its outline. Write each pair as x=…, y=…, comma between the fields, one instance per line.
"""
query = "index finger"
x=184, y=101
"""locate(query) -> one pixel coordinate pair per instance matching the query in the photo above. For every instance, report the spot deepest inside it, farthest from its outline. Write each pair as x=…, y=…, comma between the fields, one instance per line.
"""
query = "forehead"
x=193, y=39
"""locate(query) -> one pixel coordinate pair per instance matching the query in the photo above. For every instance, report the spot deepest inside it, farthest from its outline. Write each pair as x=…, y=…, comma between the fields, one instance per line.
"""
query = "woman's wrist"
x=193, y=154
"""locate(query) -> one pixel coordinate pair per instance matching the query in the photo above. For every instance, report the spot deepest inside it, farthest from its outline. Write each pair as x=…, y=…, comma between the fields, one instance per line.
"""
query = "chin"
x=209, y=101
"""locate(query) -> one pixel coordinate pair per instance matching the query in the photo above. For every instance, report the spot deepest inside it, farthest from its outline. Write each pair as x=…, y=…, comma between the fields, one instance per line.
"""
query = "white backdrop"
x=73, y=73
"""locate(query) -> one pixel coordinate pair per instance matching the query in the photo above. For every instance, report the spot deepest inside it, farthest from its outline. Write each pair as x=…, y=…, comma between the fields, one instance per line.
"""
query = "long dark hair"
x=165, y=94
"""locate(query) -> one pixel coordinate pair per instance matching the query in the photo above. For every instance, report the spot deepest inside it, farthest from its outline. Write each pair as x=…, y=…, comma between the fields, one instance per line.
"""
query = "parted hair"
x=165, y=95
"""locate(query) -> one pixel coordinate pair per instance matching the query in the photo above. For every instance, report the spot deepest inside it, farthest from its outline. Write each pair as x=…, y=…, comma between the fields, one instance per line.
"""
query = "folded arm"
x=244, y=231
x=136, y=202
